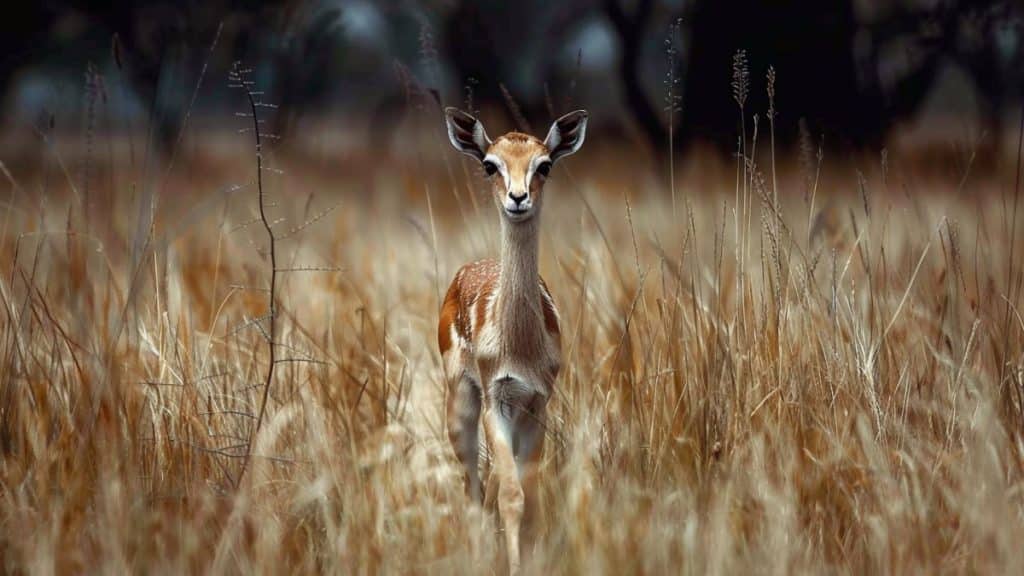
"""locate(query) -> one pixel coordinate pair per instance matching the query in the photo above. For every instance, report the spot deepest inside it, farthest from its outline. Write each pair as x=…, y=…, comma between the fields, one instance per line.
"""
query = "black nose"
x=517, y=199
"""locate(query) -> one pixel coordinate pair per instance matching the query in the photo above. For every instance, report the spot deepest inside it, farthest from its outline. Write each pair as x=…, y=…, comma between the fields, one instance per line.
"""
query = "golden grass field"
x=749, y=386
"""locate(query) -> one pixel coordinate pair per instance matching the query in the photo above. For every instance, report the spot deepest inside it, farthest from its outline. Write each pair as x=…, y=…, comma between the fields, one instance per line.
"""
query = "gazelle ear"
x=566, y=134
x=466, y=133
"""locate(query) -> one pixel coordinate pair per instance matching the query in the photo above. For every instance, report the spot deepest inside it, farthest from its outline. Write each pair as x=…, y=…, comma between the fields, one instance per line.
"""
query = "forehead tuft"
x=517, y=144
x=520, y=137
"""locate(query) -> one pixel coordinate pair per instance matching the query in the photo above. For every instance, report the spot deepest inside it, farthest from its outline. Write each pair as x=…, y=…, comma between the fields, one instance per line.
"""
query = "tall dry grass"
x=771, y=382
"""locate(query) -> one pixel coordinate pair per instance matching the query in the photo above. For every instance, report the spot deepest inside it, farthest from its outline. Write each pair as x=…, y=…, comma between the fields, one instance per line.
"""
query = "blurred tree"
x=966, y=34
x=852, y=69
x=508, y=44
x=162, y=45
x=311, y=44
x=834, y=70
x=810, y=44
x=632, y=26
x=19, y=45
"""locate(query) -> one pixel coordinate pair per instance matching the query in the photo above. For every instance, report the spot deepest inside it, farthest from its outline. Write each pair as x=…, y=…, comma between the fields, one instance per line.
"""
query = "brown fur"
x=468, y=294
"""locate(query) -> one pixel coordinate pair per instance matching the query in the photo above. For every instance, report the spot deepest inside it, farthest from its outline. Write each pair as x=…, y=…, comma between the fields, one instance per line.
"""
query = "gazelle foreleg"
x=463, y=418
x=503, y=482
x=528, y=448
x=514, y=424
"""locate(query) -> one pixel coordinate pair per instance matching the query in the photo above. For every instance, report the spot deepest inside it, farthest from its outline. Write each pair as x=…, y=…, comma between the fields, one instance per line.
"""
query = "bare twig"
x=239, y=79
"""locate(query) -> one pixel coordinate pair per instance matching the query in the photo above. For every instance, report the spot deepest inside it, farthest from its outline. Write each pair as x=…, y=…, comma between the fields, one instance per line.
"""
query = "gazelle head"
x=517, y=164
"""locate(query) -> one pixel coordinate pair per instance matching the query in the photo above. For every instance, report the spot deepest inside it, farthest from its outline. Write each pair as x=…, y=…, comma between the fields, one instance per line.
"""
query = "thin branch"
x=312, y=269
x=309, y=222
x=237, y=78
x=250, y=322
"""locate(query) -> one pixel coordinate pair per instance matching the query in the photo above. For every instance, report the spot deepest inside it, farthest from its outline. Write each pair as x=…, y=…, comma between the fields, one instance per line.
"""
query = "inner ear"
x=466, y=133
x=566, y=134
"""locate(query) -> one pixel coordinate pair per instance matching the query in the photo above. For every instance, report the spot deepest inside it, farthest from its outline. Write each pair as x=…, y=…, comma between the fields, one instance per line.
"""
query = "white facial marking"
x=499, y=163
x=537, y=161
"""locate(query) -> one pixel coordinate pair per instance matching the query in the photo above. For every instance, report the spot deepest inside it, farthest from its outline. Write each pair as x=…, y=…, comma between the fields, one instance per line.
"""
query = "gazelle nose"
x=517, y=199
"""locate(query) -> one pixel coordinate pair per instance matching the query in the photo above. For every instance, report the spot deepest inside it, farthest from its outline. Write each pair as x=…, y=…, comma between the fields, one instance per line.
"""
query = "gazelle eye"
x=490, y=167
x=544, y=168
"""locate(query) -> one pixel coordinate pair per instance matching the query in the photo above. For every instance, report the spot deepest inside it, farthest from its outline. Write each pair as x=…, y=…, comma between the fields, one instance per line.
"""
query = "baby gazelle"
x=498, y=333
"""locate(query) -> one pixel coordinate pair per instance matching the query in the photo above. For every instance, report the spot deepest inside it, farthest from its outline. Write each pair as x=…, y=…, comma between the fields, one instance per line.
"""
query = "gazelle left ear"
x=566, y=134
x=466, y=133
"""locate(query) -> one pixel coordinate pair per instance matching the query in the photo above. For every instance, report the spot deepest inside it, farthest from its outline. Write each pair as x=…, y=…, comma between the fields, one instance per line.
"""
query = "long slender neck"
x=518, y=298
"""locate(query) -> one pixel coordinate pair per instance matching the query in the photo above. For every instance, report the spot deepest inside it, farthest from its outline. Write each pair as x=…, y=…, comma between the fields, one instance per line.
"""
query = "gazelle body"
x=498, y=332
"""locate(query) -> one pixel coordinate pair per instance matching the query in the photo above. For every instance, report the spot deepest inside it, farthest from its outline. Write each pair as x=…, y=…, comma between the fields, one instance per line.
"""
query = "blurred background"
x=931, y=79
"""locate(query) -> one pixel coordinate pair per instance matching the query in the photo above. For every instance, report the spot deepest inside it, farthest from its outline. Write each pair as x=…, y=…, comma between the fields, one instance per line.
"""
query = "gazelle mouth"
x=517, y=214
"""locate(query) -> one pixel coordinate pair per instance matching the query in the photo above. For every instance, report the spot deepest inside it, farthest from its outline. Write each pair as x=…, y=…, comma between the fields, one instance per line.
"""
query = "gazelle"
x=498, y=332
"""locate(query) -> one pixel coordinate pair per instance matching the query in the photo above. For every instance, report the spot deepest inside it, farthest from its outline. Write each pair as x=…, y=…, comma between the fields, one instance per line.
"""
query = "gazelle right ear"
x=567, y=134
x=466, y=133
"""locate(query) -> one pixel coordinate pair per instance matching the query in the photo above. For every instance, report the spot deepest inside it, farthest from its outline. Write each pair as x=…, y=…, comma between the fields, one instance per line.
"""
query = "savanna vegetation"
x=228, y=364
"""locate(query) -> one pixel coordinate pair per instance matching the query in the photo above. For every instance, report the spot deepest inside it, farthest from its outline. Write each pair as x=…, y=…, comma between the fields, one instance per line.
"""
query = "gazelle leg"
x=463, y=417
x=529, y=448
x=503, y=482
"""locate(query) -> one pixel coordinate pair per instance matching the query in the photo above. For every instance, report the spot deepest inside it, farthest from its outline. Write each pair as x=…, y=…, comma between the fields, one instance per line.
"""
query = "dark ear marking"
x=466, y=133
x=567, y=134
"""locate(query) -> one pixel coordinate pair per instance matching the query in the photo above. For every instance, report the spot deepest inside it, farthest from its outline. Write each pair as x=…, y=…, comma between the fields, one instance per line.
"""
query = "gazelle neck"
x=519, y=280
